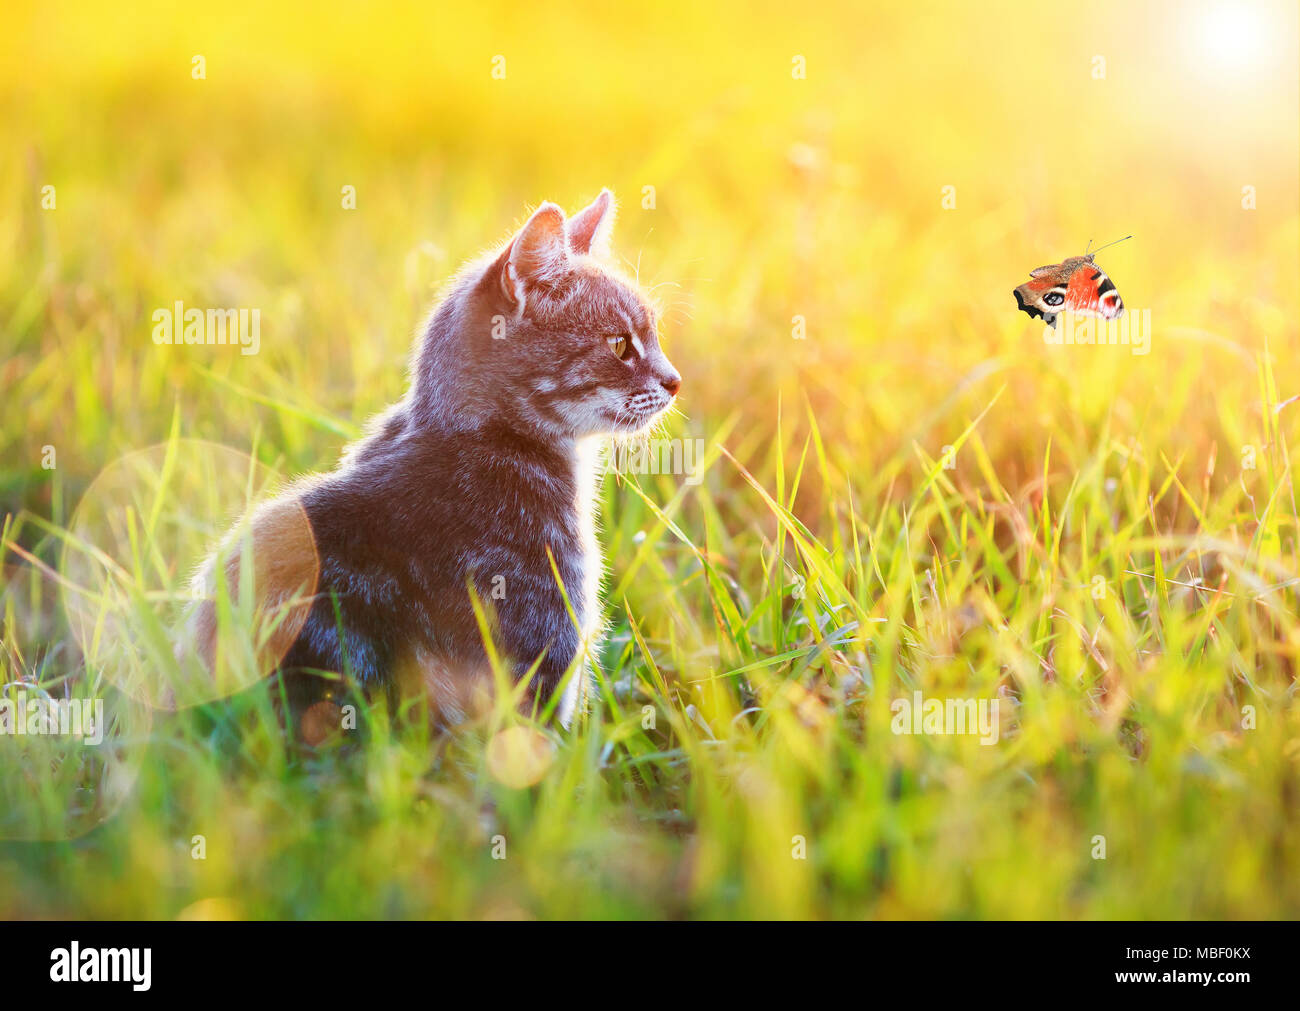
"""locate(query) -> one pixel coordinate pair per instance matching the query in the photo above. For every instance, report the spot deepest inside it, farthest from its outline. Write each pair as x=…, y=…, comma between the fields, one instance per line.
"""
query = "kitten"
x=538, y=351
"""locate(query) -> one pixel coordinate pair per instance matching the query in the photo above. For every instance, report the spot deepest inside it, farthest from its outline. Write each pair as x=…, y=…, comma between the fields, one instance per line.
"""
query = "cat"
x=538, y=352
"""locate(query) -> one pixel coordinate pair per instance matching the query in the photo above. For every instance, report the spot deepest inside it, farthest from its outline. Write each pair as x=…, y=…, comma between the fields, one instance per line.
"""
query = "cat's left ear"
x=538, y=255
x=591, y=229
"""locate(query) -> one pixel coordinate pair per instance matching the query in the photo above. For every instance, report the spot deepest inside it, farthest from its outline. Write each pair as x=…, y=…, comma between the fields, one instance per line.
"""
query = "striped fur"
x=486, y=463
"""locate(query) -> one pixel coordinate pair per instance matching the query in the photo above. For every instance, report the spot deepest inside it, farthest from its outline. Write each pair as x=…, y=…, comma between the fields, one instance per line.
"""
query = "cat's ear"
x=591, y=228
x=539, y=254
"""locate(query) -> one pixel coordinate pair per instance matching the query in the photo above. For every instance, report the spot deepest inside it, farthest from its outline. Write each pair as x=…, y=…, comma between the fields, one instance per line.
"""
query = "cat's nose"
x=672, y=382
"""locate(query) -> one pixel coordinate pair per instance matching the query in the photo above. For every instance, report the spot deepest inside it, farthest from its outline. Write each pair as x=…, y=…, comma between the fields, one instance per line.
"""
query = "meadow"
x=905, y=488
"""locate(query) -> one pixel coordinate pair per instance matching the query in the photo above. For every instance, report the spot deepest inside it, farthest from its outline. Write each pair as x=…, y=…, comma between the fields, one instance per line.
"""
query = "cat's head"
x=572, y=344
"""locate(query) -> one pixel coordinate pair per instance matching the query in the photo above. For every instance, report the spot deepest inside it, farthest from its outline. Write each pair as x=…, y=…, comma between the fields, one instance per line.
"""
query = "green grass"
x=1122, y=717
x=921, y=495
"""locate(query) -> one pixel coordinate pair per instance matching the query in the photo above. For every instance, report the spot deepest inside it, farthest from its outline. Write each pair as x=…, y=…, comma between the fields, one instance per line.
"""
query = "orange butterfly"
x=1077, y=285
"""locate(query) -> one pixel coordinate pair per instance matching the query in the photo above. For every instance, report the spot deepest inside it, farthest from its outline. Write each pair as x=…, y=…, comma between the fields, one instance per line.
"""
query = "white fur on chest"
x=589, y=453
x=589, y=459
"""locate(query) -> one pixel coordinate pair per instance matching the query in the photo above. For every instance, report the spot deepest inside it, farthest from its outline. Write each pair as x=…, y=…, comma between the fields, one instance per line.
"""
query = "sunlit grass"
x=920, y=495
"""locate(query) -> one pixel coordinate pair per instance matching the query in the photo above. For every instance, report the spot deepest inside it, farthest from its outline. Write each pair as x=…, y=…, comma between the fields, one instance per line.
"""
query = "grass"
x=919, y=495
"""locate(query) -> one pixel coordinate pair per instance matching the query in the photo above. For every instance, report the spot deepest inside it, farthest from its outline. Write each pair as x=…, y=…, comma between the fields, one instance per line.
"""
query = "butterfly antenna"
x=1108, y=245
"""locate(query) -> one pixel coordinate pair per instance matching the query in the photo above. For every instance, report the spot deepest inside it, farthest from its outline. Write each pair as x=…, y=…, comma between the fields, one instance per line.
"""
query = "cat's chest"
x=591, y=562
x=549, y=527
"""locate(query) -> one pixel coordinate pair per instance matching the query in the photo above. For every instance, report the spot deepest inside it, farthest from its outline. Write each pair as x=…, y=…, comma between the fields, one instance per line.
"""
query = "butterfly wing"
x=1091, y=292
x=1077, y=285
x=1044, y=294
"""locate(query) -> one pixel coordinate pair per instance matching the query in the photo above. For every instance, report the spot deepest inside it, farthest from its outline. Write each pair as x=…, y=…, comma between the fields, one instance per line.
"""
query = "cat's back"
x=453, y=500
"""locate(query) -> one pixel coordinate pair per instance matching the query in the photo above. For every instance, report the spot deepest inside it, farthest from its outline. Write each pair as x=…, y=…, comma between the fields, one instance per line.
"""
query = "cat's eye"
x=620, y=344
x=1053, y=298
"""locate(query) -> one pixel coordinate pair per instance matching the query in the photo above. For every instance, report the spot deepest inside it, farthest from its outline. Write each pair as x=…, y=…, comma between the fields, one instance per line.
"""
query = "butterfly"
x=1076, y=285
